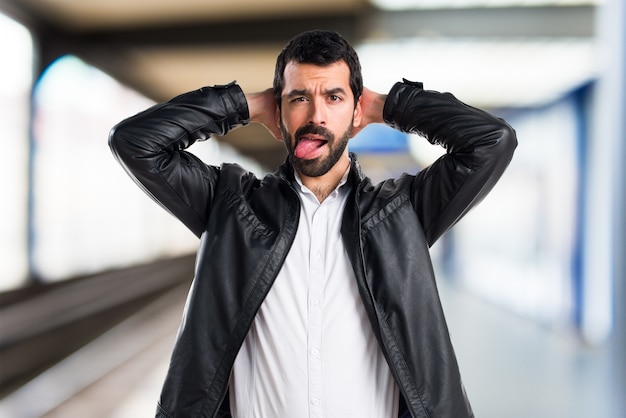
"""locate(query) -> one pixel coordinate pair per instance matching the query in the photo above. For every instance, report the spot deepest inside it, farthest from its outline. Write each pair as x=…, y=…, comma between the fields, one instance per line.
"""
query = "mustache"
x=315, y=130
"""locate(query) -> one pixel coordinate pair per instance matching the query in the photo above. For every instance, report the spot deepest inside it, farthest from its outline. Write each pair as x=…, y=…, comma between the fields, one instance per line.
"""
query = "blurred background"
x=93, y=274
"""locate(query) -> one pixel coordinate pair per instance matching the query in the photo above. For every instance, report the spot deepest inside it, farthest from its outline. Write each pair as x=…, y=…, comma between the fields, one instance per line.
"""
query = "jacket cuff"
x=235, y=103
x=398, y=96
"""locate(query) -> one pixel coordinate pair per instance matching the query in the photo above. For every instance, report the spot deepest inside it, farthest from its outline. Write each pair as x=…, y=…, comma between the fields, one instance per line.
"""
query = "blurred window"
x=15, y=84
x=517, y=248
x=88, y=215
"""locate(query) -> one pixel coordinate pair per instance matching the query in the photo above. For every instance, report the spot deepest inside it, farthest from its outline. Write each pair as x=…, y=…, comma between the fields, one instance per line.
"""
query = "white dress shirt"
x=311, y=352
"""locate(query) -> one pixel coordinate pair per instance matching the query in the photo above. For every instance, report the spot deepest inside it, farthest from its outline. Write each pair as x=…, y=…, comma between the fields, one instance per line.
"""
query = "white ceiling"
x=438, y=4
x=492, y=73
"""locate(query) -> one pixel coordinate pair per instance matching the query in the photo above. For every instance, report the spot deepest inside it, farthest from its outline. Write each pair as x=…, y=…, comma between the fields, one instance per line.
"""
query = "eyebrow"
x=305, y=92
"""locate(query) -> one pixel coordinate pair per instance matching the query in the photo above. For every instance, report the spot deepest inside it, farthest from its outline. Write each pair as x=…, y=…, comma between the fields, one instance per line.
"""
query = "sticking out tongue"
x=308, y=148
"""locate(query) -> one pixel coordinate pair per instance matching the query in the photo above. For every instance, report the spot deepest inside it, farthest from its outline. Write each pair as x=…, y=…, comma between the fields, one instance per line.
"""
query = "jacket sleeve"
x=478, y=147
x=151, y=148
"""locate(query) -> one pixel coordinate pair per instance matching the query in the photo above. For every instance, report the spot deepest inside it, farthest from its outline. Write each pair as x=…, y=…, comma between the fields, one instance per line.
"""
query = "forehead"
x=303, y=76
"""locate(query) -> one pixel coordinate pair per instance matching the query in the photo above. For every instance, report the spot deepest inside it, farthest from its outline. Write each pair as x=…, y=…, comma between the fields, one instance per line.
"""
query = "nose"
x=317, y=115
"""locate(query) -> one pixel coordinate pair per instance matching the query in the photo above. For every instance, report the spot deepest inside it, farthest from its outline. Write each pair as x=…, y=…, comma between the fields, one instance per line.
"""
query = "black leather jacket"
x=247, y=225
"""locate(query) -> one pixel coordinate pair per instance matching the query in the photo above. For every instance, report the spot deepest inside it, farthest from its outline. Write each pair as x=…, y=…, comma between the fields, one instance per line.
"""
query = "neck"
x=322, y=186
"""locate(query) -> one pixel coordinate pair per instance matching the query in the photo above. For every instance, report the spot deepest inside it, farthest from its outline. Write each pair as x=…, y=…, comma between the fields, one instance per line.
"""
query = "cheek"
x=291, y=122
x=286, y=119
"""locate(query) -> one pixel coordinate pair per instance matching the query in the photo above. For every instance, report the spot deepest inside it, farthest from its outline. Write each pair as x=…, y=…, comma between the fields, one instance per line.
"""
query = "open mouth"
x=309, y=146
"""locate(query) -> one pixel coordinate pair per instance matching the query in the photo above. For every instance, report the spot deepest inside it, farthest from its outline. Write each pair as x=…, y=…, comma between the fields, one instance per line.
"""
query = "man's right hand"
x=264, y=110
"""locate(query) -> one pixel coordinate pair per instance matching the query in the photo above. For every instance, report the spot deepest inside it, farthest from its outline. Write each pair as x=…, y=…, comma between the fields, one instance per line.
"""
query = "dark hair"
x=319, y=47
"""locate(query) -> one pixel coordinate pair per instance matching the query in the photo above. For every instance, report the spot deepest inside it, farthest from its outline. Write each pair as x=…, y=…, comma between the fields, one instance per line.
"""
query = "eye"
x=298, y=99
x=334, y=98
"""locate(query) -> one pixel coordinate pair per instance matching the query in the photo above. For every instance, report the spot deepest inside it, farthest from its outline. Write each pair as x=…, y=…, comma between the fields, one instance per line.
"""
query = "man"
x=314, y=294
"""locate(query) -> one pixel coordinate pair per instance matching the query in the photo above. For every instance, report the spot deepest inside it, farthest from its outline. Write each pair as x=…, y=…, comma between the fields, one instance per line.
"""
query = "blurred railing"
x=41, y=325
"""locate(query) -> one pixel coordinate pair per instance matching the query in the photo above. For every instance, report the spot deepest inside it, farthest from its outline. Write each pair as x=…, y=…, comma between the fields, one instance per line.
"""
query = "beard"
x=321, y=165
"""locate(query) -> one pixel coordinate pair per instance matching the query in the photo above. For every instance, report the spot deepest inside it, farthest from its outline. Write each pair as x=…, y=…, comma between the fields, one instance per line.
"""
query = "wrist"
x=264, y=110
x=376, y=109
x=258, y=105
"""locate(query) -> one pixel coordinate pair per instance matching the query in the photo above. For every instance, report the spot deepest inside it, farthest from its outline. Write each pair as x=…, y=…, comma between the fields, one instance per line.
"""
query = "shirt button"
x=315, y=351
x=315, y=401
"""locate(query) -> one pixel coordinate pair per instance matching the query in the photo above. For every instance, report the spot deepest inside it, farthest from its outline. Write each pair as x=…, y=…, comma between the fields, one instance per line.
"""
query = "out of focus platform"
x=511, y=367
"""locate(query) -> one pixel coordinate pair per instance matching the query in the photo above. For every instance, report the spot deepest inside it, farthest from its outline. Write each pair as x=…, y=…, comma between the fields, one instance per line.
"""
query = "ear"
x=278, y=135
x=358, y=114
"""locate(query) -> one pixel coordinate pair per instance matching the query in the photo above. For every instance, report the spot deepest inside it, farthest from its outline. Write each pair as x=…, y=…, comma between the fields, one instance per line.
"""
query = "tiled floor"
x=515, y=368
